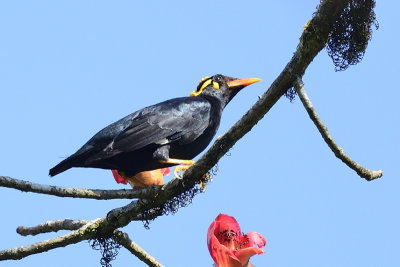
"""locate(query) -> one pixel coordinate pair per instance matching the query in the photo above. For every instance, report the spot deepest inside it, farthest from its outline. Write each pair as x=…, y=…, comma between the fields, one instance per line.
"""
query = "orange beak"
x=243, y=82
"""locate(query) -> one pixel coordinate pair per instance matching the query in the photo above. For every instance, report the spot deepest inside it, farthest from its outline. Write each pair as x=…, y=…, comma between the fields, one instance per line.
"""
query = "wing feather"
x=176, y=120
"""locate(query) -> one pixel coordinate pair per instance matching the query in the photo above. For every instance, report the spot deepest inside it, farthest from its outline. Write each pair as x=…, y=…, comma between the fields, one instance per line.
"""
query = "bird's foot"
x=204, y=180
x=179, y=169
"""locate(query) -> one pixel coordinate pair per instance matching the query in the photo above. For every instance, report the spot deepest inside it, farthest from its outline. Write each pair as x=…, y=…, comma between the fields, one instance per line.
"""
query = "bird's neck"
x=216, y=103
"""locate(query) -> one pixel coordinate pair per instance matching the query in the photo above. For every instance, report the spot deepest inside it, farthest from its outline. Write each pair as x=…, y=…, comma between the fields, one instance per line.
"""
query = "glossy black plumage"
x=178, y=128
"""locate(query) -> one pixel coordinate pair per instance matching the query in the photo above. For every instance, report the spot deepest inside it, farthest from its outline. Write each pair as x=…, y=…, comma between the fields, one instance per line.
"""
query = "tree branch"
x=116, y=218
x=67, y=224
x=123, y=239
x=51, y=226
x=323, y=130
x=88, y=231
x=26, y=186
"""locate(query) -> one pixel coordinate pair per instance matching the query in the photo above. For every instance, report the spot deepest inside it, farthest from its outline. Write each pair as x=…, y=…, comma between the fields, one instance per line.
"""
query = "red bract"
x=228, y=246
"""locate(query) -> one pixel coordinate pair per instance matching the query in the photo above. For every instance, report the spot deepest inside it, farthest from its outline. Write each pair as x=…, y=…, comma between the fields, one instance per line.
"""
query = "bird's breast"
x=194, y=142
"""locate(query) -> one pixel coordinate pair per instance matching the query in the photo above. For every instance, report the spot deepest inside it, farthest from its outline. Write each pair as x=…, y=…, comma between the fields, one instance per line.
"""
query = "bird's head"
x=222, y=87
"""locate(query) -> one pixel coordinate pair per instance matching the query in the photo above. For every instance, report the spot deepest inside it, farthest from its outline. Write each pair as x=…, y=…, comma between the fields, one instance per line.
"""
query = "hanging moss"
x=351, y=33
x=108, y=247
x=150, y=210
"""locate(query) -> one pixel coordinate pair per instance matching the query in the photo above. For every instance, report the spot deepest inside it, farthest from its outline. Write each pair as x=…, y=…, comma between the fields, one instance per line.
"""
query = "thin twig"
x=123, y=239
x=323, y=130
x=51, y=226
x=59, y=191
x=88, y=231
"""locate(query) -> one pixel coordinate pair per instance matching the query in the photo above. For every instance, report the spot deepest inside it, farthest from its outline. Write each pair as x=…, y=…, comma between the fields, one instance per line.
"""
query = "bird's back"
x=178, y=120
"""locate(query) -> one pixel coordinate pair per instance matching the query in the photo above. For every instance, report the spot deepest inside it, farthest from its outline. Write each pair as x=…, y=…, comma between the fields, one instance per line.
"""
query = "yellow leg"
x=179, y=161
x=202, y=183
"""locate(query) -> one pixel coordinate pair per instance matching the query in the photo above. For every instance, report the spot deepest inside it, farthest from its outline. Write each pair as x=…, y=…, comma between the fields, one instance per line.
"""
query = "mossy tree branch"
x=84, y=229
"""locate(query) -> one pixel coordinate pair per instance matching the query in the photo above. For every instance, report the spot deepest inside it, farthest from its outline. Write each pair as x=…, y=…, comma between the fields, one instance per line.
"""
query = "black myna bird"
x=169, y=133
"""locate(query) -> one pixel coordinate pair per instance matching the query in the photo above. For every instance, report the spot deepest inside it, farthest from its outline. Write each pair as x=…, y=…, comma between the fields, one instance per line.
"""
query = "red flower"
x=228, y=246
x=143, y=179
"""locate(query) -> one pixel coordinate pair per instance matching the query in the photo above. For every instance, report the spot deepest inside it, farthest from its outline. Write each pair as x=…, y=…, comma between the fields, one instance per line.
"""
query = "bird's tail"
x=61, y=167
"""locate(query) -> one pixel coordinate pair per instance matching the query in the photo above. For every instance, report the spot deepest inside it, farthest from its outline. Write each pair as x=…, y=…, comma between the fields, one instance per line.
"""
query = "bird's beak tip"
x=243, y=82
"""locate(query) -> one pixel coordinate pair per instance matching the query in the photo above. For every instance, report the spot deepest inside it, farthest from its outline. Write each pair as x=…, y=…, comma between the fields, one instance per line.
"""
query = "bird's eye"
x=217, y=81
x=218, y=78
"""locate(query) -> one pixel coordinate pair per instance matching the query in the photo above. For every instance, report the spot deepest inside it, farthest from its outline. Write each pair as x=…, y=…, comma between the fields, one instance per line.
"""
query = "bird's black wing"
x=177, y=120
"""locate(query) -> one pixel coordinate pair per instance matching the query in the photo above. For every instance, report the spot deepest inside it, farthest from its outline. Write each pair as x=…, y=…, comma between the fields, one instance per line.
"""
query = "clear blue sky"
x=69, y=68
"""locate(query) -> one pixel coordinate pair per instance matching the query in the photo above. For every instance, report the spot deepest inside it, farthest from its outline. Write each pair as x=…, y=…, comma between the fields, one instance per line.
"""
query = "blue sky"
x=69, y=68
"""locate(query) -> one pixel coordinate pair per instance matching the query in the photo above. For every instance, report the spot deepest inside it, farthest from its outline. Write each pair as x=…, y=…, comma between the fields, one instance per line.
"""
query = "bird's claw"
x=179, y=169
x=204, y=180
